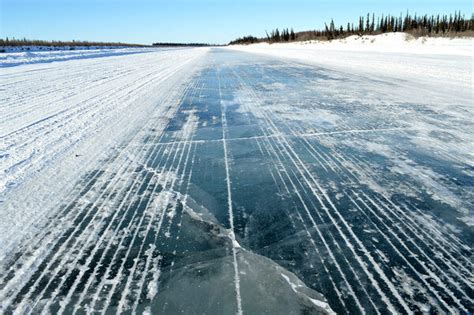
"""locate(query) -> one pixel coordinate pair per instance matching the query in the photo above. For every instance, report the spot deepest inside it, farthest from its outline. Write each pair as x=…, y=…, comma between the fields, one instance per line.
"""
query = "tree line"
x=417, y=25
x=13, y=42
x=182, y=45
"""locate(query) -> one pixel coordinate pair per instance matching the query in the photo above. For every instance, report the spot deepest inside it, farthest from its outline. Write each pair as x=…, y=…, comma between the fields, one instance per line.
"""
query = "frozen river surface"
x=220, y=182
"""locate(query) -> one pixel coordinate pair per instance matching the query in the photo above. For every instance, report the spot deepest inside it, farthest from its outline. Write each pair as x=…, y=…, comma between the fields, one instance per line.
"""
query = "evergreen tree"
x=372, y=26
x=361, y=24
x=415, y=24
x=367, y=23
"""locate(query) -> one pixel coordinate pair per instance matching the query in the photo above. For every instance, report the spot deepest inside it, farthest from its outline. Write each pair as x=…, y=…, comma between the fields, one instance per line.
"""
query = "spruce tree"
x=367, y=23
x=292, y=35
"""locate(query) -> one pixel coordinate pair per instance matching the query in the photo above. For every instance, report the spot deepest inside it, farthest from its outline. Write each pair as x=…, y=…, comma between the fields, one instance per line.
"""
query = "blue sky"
x=213, y=21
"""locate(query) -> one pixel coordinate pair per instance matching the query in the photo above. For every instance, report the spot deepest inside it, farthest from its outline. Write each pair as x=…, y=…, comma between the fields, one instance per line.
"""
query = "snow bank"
x=384, y=43
x=15, y=58
x=34, y=48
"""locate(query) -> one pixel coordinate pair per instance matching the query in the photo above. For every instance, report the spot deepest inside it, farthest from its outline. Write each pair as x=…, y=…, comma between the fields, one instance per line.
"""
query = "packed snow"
x=54, y=115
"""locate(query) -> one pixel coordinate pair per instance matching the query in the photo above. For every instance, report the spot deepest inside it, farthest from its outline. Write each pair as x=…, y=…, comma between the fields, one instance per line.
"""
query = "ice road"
x=219, y=181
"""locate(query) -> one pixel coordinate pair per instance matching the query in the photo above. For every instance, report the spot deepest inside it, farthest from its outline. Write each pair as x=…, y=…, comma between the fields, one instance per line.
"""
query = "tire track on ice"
x=309, y=180
x=136, y=183
x=438, y=297
x=315, y=225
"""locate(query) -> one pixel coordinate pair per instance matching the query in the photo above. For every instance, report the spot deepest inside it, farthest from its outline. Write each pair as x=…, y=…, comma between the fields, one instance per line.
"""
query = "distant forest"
x=181, y=45
x=13, y=42
x=29, y=42
x=422, y=25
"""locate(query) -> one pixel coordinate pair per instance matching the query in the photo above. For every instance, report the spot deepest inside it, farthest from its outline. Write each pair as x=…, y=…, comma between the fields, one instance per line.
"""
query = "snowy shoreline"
x=383, y=43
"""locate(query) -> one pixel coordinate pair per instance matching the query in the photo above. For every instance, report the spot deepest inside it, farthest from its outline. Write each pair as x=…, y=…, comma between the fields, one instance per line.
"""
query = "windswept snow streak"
x=235, y=245
x=230, y=183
